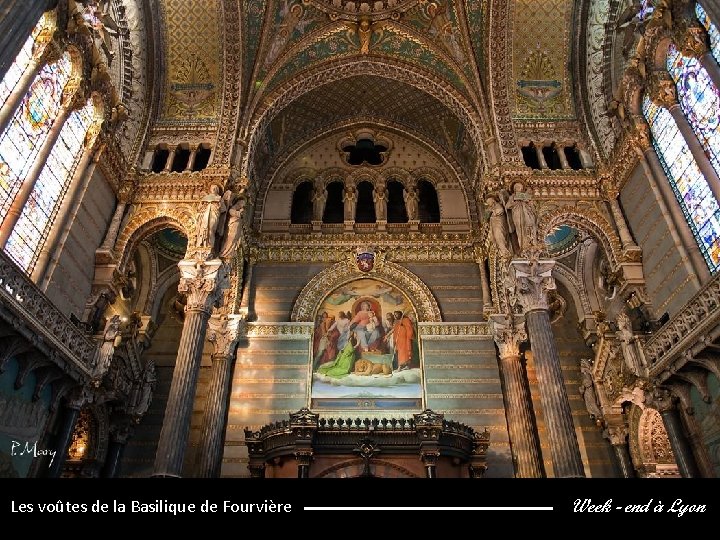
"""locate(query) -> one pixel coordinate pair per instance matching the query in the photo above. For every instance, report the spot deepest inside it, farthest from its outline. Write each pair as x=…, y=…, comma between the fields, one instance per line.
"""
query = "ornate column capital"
x=531, y=281
x=662, y=89
x=661, y=399
x=692, y=40
x=508, y=332
x=224, y=333
x=616, y=430
x=203, y=282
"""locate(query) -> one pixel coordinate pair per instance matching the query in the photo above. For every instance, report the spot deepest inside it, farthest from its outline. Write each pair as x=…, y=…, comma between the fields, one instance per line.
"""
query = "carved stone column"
x=625, y=237
x=247, y=300
x=541, y=157
x=68, y=419
x=119, y=436
x=563, y=158
x=224, y=334
x=508, y=335
x=203, y=281
x=712, y=8
x=485, y=285
x=664, y=402
x=533, y=279
x=617, y=434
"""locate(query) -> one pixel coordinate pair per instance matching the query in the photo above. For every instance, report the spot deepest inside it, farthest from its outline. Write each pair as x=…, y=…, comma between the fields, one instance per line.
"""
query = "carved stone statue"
x=319, y=197
x=380, y=200
x=498, y=227
x=231, y=238
x=411, y=203
x=587, y=389
x=209, y=218
x=349, y=197
x=145, y=391
x=626, y=337
x=524, y=221
x=96, y=306
x=111, y=339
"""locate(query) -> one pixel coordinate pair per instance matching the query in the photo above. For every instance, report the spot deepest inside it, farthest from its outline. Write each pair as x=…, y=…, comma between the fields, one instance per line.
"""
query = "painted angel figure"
x=364, y=30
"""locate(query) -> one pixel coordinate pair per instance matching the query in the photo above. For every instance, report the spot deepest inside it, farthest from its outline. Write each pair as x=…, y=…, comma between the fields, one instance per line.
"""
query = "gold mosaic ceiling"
x=287, y=41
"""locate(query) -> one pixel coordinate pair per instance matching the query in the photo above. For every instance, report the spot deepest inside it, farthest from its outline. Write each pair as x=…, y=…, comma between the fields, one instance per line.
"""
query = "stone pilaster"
x=664, y=402
x=224, y=334
x=533, y=280
x=508, y=334
x=203, y=282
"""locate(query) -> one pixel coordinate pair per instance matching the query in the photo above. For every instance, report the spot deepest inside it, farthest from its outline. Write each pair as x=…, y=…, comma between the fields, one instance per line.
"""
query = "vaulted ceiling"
x=449, y=71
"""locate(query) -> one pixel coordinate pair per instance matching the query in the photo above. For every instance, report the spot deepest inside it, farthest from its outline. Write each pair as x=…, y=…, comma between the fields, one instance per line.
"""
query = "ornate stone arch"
x=568, y=278
x=344, y=272
x=337, y=70
x=363, y=174
x=649, y=445
x=398, y=174
x=589, y=220
x=149, y=220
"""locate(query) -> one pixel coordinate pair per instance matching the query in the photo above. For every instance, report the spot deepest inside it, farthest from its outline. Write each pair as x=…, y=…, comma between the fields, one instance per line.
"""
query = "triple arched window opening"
x=391, y=202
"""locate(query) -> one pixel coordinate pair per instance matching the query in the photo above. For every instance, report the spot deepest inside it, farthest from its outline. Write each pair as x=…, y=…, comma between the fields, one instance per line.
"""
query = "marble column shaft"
x=678, y=442
x=223, y=335
x=533, y=280
x=203, y=281
x=524, y=442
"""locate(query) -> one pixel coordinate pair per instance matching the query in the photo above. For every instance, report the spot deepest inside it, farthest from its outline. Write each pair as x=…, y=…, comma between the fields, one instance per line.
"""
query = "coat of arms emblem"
x=365, y=261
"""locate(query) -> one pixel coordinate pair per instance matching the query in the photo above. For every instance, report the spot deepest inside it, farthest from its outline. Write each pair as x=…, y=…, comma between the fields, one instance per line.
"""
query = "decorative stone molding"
x=443, y=331
x=296, y=330
x=695, y=323
x=343, y=272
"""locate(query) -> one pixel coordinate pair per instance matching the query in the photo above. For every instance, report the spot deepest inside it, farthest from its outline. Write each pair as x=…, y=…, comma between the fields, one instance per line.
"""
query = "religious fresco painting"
x=365, y=351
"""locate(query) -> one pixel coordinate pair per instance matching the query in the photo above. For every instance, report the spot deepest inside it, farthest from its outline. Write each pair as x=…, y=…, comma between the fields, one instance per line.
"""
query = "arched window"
x=428, y=205
x=32, y=48
x=365, y=209
x=691, y=189
x=699, y=100
x=39, y=213
x=396, y=211
x=23, y=139
x=334, y=206
x=302, y=206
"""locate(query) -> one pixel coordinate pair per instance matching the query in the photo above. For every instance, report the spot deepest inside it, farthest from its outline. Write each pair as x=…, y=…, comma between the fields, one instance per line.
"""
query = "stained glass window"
x=646, y=9
x=699, y=99
x=712, y=30
x=37, y=217
x=697, y=201
x=30, y=49
x=22, y=139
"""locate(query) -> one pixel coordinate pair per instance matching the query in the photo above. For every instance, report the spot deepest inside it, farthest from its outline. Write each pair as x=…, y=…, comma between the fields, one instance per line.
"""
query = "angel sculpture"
x=497, y=222
x=210, y=219
x=631, y=24
x=103, y=26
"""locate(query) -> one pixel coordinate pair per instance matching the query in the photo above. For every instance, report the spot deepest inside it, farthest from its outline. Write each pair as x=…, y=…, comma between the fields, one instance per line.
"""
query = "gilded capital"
x=224, y=333
x=693, y=41
x=203, y=282
x=617, y=433
x=662, y=89
x=661, y=399
x=508, y=332
x=532, y=281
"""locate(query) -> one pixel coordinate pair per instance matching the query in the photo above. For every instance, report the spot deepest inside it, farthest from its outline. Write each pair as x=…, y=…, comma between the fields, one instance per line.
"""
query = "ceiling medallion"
x=370, y=10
